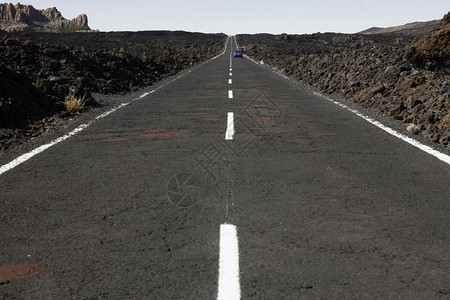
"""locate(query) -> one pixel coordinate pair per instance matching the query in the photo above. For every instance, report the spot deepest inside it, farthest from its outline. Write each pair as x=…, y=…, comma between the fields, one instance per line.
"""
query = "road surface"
x=226, y=182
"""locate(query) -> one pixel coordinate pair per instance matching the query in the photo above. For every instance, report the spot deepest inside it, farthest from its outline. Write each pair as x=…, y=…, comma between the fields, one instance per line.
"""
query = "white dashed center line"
x=231, y=74
x=230, y=127
x=229, y=286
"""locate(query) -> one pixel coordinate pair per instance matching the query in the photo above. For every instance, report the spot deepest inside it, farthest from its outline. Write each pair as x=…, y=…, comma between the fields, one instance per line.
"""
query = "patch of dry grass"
x=413, y=128
x=74, y=104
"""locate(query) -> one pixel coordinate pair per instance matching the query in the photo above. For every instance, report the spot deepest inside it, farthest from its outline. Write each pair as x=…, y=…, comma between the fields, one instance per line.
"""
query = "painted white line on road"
x=231, y=52
x=230, y=81
x=226, y=45
x=231, y=74
x=224, y=50
x=441, y=156
x=231, y=69
x=230, y=94
x=235, y=42
x=229, y=285
x=23, y=158
x=230, y=127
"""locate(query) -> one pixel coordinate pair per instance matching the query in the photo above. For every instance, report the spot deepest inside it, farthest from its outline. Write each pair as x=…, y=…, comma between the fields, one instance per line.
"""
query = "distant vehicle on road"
x=238, y=53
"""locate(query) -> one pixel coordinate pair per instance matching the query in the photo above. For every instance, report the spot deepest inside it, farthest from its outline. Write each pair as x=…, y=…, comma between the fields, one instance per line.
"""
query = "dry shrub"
x=74, y=104
x=413, y=128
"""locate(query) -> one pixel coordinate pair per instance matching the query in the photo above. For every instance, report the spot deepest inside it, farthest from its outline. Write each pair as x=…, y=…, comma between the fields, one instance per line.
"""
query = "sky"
x=248, y=16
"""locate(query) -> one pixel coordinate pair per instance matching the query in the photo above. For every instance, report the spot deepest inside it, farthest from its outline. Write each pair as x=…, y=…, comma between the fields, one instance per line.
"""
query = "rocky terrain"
x=405, y=77
x=40, y=71
x=26, y=18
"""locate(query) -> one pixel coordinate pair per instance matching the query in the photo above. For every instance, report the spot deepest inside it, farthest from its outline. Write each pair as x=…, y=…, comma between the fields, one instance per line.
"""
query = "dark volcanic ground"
x=38, y=70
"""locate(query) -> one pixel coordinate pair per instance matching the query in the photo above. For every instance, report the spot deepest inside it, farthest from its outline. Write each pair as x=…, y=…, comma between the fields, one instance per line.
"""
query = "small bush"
x=74, y=104
x=413, y=128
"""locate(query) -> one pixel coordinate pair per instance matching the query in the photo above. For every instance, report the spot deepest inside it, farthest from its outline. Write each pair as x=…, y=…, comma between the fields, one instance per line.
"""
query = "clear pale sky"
x=248, y=16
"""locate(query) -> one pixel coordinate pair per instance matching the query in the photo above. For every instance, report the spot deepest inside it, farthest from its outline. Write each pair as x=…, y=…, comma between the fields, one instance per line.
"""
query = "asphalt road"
x=325, y=205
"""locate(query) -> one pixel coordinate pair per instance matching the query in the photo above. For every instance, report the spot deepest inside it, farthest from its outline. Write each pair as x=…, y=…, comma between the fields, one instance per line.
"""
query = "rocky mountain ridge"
x=415, y=28
x=21, y=17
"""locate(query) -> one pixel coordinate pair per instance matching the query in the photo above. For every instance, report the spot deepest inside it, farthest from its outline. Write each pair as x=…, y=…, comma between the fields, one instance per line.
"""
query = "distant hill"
x=26, y=18
x=416, y=28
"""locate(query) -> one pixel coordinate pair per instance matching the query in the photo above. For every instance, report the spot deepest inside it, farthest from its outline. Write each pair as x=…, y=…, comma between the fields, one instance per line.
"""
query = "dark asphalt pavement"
x=326, y=205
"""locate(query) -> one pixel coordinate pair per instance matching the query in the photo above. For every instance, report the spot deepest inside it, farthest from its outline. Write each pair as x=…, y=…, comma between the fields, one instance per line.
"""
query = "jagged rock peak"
x=21, y=17
x=27, y=13
x=52, y=14
x=81, y=20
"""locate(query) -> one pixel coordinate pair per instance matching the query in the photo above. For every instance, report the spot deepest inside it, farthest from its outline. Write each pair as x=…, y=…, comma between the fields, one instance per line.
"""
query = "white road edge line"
x=230, y=127
x=439, y=155
x=231, y=74
x=226, y=45
x=23, y=158
x=224, y=50
x=230, y=81
x=230, y=94
x=235, y=42
x=229, y=285
x=231, y=53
